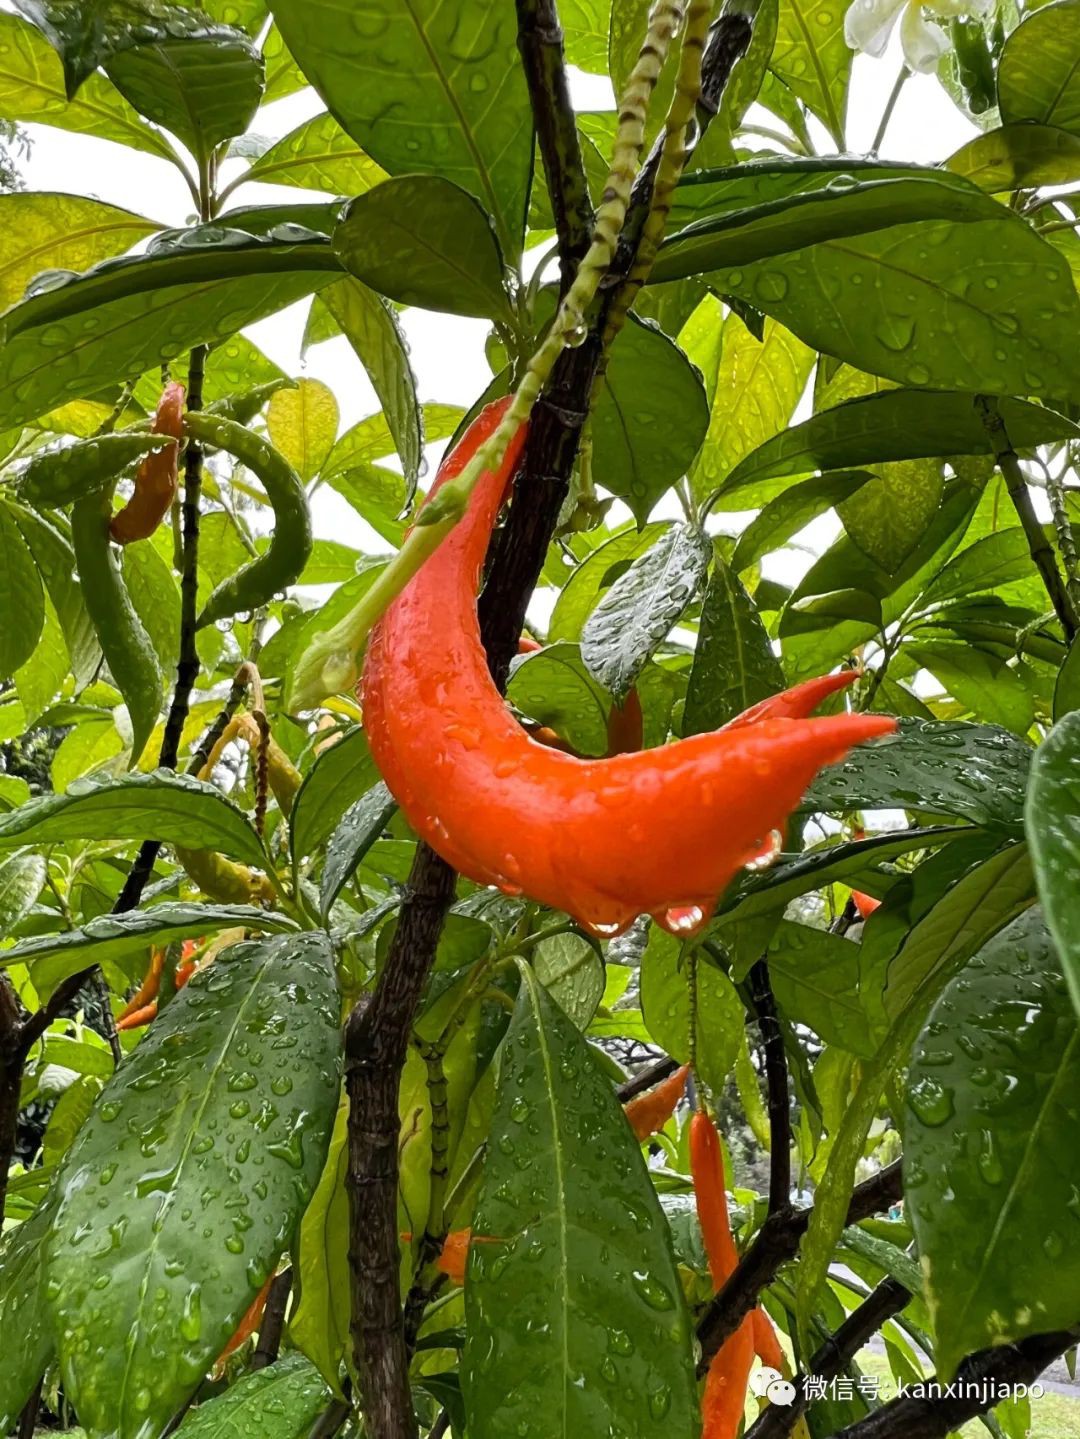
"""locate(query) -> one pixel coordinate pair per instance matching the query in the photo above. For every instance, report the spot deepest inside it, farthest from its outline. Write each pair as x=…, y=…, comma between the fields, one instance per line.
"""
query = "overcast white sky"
x=447, y=352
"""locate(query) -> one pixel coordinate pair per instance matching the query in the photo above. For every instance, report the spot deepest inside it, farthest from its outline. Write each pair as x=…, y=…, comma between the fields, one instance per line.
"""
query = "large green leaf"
x=650, y=418
x=55, y=561
x=887, y=517
x=32, y=89
x=339, y=776
x=208, y=1142
x=318, y=155
x=895, y=425
x=1039, y=71
x=281, y=1402
x=665, y=1003
x=990, y=1177
x=40, y=231
x=759, y=383
x=320, y=1322
x=975, y=772
x=738, y=215
x=421, y=240
x=595, y=576
x=987, y=306
x=815, y=975
x=126, y=315
x=979, y=681
x=20, y=595
x=1018, y=157
x=793, y=508
x=372, y=328
x=116, y=937
x=302, y=423
x=160, y=805
x=555, y=688
x=447, y=96
x=575, y=1315
x=637, y=612
x=22, y=878
x=813, y=58
x=204, y=88
x=734, y=665
x=1053, y=806
x=360, y=826
x=23, y=1310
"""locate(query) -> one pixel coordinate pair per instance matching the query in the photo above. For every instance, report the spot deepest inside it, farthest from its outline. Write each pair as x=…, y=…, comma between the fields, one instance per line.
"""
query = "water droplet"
x=652, y=1291
x=931, y=1102
x=989, y=1161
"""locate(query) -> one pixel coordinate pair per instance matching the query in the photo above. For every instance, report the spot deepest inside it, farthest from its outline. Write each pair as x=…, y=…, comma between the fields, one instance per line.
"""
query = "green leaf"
x=1019, y=157
x=988, y=1177
x=319, y=1325
x=89, y=746
x=987, y=306
x=887, y=517
x=815, y=975
x=758, y=386
x=203, y=88
x=555, y=688
x=23, y=1310
x=665, y=1003
x=447, y=98
x=1039, y=70
x=32, y=89
x=984, y=684
x=793, y=508
x=358, y=829
x=766, y=209
x=894, y=425
x=156, y=597
x=318, y=155
x=41, y=231
x=975, y=772
x=211, y=1081
x=372, y=328
x=126, y=315
x=160, y=805
x=1053, y=804
x=650, y=418
x=421, y=240
x=813, y=58
x=1067, y=688
x=734, y=664
x=585, y=28
x=22, y=878
x=303, y=423
x=989, y=563
x=595, y=1335
x=40, y=680
x=639, y=609
x=280, y=1402
x=338, y=776
x=582, y=591
x=55, y=561
x=20, y=594
x=572, y=973
x=115, y=938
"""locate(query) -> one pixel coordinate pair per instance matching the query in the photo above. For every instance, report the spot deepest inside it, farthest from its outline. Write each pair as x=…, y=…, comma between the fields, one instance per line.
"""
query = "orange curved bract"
x=157, y=477
x=661, y=831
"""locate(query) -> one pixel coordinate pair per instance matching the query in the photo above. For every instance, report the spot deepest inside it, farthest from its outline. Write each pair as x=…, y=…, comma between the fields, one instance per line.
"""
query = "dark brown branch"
x=776, y=1080
x=991, y=1373
x=273, y=1321
x=776, y=1242
x=29, y=1417
x=888, y=1299
x=1042, y=552
x=540, y=41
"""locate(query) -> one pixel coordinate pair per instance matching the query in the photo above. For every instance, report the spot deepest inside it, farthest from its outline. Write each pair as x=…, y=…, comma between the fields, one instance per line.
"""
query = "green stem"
x=890, y=105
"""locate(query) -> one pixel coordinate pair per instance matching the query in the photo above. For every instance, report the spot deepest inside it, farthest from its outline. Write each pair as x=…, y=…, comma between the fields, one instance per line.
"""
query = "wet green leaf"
x=20, y=594
x=1052, y=807
x=815, y=975
x=208, y=1143
x=556, y=689
x=320, y=1322
x=665, y=1003
x=813, y=58
x=281, y=1402
x=734, y=664
x=318, y=155
x=1019, y=157
x=22, y=878
x=23, y=1309
x=887, y=517
x=575, y=1312
x=592, y=579
x=989, y=1183
x=637, y=612
x=447, y=98
x=1039, y=70
x=40, y=231
x=303, y=423
x=572, y=972
x=793, y=508
x=421, y=240
x=360, y=826
x=340, y=775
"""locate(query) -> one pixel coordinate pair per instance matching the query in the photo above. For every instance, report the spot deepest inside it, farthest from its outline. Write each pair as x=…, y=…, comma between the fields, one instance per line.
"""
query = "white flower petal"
x=924, y=42
x=869, y=23
x=952, y=8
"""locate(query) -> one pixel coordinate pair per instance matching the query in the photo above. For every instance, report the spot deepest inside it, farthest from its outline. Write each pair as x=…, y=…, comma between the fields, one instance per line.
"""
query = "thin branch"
x=540, y=41
x=1042, y=552
x=645, y=1079
x=776, y=1079
x=273, y=1321
x=778, y=1421
x=982, y=1381
x=776, y=1242
x=29, y=1417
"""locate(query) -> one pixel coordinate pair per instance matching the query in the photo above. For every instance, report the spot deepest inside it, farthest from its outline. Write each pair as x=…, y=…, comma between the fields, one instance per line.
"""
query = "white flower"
x=869, y=24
